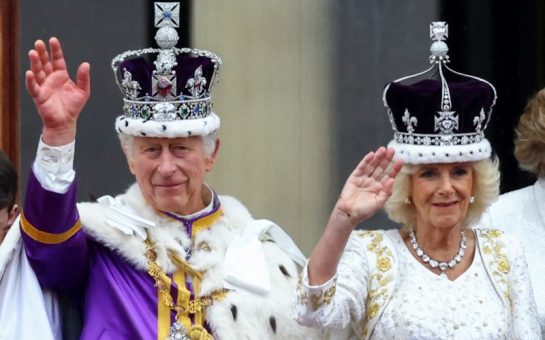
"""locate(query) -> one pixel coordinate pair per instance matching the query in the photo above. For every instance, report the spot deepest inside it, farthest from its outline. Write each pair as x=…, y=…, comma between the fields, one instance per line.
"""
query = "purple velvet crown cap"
x=141, y=68
x=423, y=100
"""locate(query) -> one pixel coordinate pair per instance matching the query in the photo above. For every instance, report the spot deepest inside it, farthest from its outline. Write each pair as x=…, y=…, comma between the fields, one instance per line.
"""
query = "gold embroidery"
x=503, y=265
x=316, y=300
x=323, y=298
x=499, y=260
x=301, y=293
x=384, y=264
x=372, y=310
x=378, y=293
x=494, y=233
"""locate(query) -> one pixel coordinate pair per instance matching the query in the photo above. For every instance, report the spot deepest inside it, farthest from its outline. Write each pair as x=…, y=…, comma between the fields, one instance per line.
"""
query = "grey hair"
x=486, y=179
x=209, y=143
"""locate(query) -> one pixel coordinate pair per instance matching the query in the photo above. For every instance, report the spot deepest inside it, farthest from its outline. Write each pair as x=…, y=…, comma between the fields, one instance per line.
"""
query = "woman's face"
x=440, y=194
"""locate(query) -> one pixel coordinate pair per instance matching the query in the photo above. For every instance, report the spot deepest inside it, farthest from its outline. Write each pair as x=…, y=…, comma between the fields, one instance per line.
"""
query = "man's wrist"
x=58, y=137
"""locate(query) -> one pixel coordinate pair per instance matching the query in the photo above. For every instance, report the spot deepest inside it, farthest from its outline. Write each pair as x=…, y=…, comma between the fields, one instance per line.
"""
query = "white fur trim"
x=426, y=154
x=242, y=314
x=168, y=235
x=171, y=129
x=256, y=314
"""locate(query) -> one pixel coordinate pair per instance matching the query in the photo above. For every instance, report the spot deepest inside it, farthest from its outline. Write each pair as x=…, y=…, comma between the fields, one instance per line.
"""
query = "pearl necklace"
x=443, y=265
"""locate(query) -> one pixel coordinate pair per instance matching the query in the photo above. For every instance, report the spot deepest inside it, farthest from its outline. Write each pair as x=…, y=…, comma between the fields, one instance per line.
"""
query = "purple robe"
x=119, y=301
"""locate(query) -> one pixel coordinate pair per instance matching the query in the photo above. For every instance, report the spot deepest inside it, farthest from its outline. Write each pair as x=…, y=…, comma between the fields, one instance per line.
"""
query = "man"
x=26, y=311
x=169, y=259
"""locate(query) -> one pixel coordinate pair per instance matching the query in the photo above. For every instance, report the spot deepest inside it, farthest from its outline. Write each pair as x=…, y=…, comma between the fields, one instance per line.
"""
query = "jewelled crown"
x=436, y=120
x=167, y=89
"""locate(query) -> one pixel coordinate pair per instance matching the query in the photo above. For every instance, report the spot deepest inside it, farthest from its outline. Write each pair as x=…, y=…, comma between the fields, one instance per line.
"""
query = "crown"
x=440, y=121
x=167, y=90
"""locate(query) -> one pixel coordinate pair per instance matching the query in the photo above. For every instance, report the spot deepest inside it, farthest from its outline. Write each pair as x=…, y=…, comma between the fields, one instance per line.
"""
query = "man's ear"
x=13, y=214
x=211, y=160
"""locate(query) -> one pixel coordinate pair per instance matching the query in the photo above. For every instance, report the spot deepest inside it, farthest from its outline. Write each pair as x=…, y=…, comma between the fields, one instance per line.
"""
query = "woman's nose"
x=446, y=186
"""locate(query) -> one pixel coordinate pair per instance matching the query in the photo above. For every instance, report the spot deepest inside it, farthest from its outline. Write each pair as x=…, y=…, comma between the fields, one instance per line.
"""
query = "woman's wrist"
x=341, y=219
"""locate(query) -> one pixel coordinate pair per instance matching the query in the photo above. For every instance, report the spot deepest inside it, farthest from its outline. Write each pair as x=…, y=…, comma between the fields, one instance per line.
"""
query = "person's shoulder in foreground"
x=26, y=310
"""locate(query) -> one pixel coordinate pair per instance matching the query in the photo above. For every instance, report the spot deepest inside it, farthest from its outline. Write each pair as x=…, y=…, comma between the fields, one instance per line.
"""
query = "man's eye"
x=151, y=149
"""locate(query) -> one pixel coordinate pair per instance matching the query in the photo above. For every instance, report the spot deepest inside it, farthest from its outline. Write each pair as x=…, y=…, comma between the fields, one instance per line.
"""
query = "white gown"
x=422, y=305
x=522, y=213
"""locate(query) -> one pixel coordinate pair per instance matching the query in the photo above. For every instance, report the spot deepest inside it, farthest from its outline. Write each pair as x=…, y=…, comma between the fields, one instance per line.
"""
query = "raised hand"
x=58, y=99
x=369, y=186
x=364, y=193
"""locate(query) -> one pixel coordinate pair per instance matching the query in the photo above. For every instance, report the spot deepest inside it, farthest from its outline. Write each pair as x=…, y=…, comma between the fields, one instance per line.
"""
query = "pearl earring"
x=472, y=199
x=407, y=201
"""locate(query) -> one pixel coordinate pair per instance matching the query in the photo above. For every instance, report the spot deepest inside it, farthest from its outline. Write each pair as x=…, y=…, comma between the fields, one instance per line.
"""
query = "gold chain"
x=194, y=306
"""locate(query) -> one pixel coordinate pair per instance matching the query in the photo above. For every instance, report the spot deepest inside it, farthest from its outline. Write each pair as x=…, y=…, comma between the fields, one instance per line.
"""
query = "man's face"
x=170, y=172
x=6, y=220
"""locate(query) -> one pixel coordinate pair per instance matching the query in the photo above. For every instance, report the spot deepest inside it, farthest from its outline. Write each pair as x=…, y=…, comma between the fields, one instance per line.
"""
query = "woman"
x=436, y=278
x=523, y=211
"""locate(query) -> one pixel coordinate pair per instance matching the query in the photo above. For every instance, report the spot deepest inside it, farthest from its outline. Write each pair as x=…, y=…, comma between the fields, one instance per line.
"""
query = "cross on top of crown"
x=167, y=14
x=439, y=30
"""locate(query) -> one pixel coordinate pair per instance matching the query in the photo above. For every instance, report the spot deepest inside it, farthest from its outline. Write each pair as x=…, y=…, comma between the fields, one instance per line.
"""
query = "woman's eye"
x=427, y=173
x=460, y=172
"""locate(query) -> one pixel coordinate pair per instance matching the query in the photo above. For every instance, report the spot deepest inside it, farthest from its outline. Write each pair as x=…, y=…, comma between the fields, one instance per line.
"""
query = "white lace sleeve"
x=523, y=307
x=341, y=299
x=54, y=166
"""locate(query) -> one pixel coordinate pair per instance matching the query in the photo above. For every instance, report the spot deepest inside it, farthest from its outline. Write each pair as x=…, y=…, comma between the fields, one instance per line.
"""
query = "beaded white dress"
x=522, y=212
x=410, y=302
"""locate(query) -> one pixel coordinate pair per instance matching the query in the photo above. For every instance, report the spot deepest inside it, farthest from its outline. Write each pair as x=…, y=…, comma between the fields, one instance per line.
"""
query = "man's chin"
x=171, y=206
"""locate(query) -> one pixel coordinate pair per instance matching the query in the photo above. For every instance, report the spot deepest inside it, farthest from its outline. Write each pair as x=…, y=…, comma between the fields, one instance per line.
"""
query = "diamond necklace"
x=443, y=265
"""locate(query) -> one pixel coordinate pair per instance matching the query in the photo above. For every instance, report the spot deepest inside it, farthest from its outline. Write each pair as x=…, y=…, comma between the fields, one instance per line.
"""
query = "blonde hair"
x=486, y=180
x=530, y=136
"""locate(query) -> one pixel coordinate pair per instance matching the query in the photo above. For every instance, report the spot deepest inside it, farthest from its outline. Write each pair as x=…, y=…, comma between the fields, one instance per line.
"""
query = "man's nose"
x=167, y=163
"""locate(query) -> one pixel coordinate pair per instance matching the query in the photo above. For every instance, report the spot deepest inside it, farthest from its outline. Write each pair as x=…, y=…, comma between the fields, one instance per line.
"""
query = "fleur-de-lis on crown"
x=478, y=121
x=409, y=121
x=196, y=85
